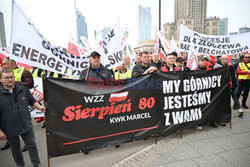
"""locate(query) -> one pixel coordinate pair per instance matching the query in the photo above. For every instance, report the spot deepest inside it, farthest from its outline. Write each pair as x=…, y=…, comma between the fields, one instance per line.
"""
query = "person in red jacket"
x=169, y=64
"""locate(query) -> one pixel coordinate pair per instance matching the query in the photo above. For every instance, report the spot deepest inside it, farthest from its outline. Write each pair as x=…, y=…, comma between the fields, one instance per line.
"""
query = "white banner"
x=27, y=45
x=125, y=34
x=211, y=44
x=37, y=93
x=111, y=48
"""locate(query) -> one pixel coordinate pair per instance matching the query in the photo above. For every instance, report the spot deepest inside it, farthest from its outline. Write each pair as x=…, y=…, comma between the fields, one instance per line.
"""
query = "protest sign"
x=213, y=45
x=28, y=45
x=98, y=115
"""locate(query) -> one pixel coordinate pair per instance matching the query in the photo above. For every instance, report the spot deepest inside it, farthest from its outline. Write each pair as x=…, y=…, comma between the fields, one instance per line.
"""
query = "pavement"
x=214, y=147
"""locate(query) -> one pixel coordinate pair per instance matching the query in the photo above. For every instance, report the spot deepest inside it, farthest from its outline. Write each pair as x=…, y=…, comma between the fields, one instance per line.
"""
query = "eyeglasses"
x=9, y=78
x=247, y=57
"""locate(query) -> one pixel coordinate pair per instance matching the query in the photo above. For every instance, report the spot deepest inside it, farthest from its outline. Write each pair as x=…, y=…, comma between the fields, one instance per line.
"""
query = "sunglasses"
x=247, y=57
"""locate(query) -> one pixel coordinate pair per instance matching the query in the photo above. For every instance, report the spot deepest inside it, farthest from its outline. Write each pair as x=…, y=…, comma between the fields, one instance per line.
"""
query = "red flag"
x=73, y=48
x=161, y=55
x=212, y=58
x=24, y=65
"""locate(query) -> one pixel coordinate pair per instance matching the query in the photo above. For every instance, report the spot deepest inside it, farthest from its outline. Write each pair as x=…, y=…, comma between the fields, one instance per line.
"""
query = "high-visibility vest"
x=34, y=73
x=126, y=75
x=55, y=75
x=243, y=67
x=18, y=74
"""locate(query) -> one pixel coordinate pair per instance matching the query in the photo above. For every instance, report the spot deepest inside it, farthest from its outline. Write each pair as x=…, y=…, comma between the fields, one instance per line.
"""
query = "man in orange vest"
x=243, y=71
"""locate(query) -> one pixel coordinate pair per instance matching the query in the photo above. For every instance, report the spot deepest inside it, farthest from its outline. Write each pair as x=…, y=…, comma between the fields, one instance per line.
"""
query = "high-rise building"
x=244, y=30
x=81, y=25
x=196, y=9
x=223, y=27
x=105, y=31
x=192, y=14
x=144, y=23
x=2, y=32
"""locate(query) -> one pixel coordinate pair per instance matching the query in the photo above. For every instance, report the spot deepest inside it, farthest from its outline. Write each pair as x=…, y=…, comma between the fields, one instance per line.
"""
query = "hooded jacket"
x=15, y=117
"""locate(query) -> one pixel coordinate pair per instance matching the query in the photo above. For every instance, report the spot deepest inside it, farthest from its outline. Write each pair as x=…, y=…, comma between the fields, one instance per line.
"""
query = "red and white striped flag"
x=118, y=97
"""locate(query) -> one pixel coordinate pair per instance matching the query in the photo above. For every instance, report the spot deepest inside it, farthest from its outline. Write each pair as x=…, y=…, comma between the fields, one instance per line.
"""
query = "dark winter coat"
x=15, y=117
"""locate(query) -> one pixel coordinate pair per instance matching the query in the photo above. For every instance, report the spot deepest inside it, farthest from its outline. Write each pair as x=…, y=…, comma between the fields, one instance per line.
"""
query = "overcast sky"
x=56, y=20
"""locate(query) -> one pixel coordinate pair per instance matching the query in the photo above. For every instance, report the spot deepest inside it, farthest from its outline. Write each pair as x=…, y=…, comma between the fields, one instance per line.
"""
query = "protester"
x=202, y=61
x=184, y=55
x=169, y=64
x=243, y=72
x=156, y=62
x=209, y=65
x=180, y=64
x=137, y=60
x=96, y=71
x=144, y=67
x=224, y=62
x=126, y=60
x=174, y=54
x=22, y=77
x=123, y=72
x=16, y=98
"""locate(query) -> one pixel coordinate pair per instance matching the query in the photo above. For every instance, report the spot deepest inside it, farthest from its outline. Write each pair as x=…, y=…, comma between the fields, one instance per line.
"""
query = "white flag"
x=164, y=42
x=173, y=46
x=110, y=48
x=27, y=45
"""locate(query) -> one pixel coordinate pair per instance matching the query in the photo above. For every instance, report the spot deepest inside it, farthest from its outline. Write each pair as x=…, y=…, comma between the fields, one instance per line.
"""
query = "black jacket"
x=104, y=74
x=230, y=72
x=15, y=117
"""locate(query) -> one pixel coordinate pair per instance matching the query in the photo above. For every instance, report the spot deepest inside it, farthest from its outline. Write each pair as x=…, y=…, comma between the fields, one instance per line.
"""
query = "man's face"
x=123, y=65
x=170, y=59
x=8, y=79
x=247, y=58
x=180, y=64
x=225, y=60
x=156, y=57
x=184, y=55
x=6, y=64
x=145, y=58
x=138, y=59
x=95, y=61
x=150, y=57
x=202, y=63
x=126, y=60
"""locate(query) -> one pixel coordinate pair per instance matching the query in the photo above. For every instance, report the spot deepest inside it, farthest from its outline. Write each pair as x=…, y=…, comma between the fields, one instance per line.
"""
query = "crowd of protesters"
x=144, y=63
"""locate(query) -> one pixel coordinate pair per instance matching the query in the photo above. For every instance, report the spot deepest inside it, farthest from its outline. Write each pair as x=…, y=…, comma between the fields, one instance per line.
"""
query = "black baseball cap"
x=95, y=53
x=172, y=53
x=179, y=59
x=202, y=58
